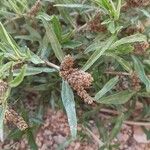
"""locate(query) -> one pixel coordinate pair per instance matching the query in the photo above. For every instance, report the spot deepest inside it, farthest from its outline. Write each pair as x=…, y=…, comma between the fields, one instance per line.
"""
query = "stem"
x=117, y=73
x=94, y=137
x=128, y=122
x=137, y=123
x=52, y=65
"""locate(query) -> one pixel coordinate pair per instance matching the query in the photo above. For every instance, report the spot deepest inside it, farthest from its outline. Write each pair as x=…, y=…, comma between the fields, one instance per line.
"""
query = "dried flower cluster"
x=95, y=25
x=135, y=82
x=140, y=48
x=3, y=88
x=78, y=79
x=123, y=83
x=137, y=3
x=133, y=29
x=34, y=9
x=13, y=117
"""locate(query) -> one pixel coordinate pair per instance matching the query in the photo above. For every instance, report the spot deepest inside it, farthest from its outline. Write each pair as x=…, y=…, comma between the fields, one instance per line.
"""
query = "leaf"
x=145, y=12
x=98, y=43
x=76, y=6
x=35, y=59
x=71, y=44
x=118, y=98
x=147, y=62
x=117, y=127
x=125, y=64
x=65, y=13
x=107, y=87
x=96, y=55
x=5, y=37
x=118, y=9
x=31, y=140
x=57, y=27
x=34, y=71
x=5, y=68
x=53, y=39
x=129, y=39
x=15, y=134
x=139, y=68
x=14, y=6
x=19, y=78
x=69, y=104
x=2, y=116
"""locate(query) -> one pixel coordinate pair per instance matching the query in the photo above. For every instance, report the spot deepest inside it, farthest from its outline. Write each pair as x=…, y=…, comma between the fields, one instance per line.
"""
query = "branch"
x=94, y=137
x=117, y=73
x=137, y=123
x=51, y=65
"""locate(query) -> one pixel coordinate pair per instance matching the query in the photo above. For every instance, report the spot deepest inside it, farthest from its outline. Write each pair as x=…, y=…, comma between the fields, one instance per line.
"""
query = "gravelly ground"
x=55, y=132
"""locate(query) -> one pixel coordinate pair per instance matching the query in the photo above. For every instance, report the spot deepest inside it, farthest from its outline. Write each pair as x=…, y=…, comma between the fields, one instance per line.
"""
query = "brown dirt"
x=55, y=132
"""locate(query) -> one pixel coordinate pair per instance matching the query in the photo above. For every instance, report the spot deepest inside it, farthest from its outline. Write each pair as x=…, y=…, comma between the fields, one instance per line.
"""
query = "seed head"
x=137, y=3
x=67, y=63
x=140, y=48
x=135, y=82
x=3, y=87
x=95, y=25
x=78, y=79
x=34, y=9
x=13, y=117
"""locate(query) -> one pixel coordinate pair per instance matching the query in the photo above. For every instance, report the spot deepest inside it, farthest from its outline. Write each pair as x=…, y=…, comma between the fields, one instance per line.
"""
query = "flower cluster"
x=78, y=79
x=34, y=9
x=135, y=82
x=133, y=29
x=13, y=117
x=3, y=88
x=95, y=25
x=140, y=48
x=137, y=3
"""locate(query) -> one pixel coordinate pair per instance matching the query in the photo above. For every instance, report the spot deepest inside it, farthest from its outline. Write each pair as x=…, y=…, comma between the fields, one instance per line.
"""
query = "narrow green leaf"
x=65, y=13
x=5, y=68
x=125, y=64
x=53, y=39
x=118, y=98
x=2, y=116
x=31, y=140
x=57, y=27
x=34, y=71
x=35, y=59
x=69, y=104
x=96, y=55
x=19, y=78
x=107, y=87
x=5, y=37
x=15, y=134
x=139, y=68
x=129, y=39
x=117, y=127
x=14, y=7
x=147, y=62
x=76, y=6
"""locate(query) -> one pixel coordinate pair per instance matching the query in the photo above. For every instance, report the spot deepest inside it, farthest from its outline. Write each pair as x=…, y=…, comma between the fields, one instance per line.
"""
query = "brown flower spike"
x=13, y=117
x=3, y=88
x=140, y=48
x=95, y=25
x=135, y=82
x=78, y=79
x=137, y=3
x=133, y=29
x=34, y=9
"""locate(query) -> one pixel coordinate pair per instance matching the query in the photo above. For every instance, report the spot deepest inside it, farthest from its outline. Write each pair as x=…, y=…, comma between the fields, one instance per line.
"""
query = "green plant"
x=33, y=46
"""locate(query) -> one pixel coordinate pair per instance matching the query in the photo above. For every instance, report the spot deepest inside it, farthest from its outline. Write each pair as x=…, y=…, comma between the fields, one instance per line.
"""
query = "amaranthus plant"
x=75, y=53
